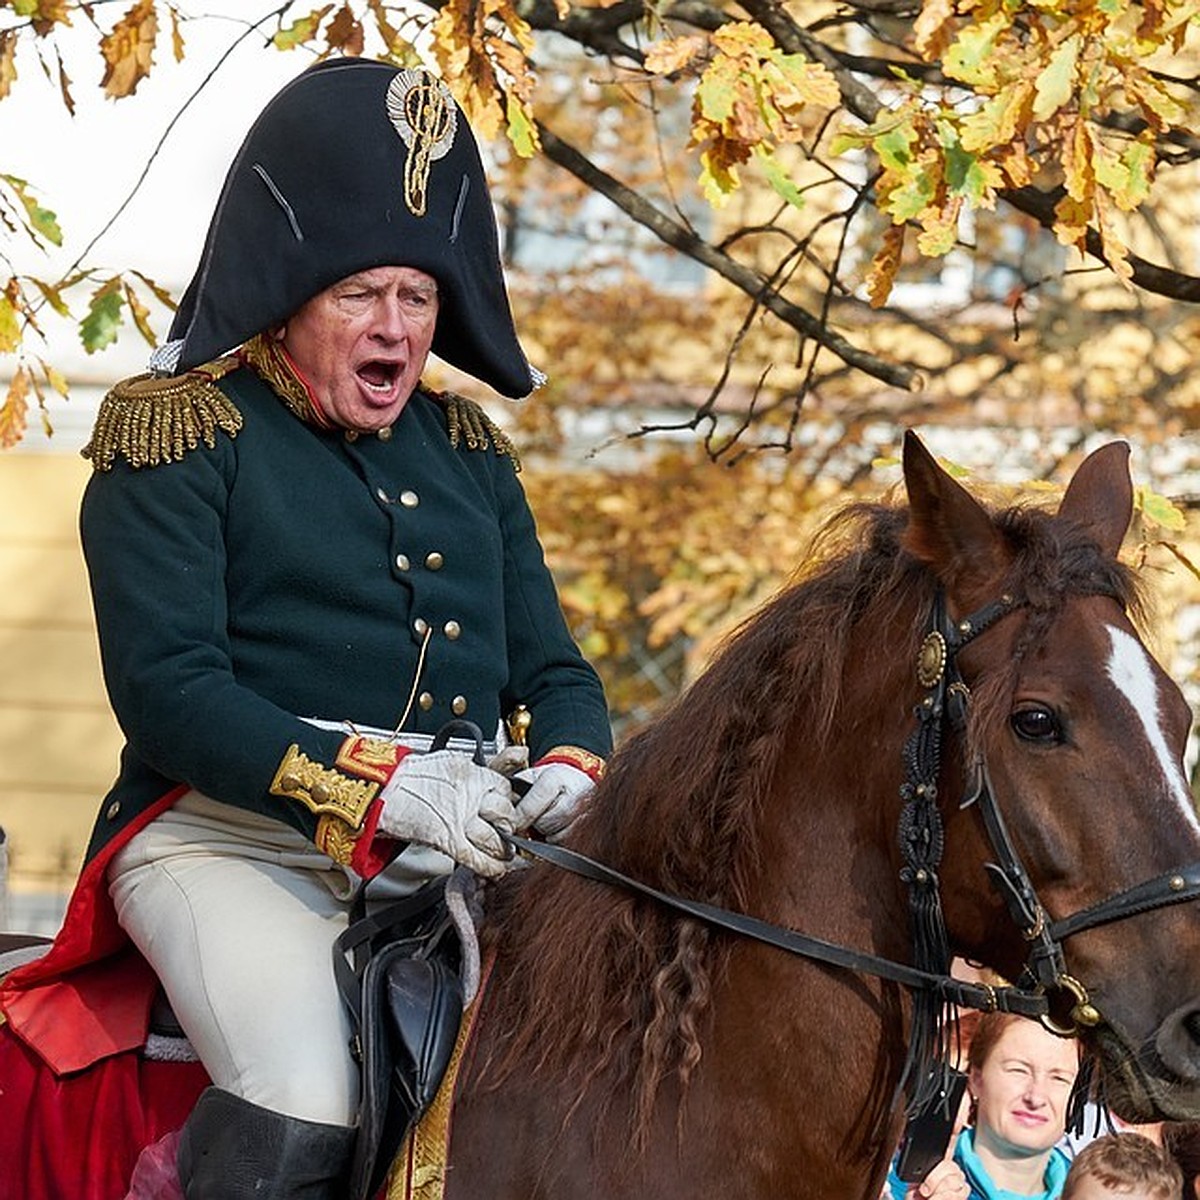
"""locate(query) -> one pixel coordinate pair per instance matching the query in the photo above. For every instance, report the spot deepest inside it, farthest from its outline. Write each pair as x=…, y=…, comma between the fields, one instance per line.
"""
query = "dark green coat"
x=287, y=572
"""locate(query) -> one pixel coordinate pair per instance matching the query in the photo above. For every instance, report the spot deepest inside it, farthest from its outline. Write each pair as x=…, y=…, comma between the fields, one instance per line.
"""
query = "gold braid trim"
x=321, y=790
x=264, y=355
x=468, y=422
x=149, y=420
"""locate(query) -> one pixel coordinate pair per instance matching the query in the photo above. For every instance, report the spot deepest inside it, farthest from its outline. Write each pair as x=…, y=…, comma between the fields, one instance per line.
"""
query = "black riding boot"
x=230, y=1149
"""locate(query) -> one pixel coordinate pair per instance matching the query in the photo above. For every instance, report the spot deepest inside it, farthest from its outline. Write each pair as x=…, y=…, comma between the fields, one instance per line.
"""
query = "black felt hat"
x=355, y=164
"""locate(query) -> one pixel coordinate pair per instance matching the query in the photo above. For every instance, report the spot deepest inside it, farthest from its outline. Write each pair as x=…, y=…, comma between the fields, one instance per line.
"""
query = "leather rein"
x=944, y=705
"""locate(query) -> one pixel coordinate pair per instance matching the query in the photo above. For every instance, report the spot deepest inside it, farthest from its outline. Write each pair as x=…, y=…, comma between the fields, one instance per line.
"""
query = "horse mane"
x=596, y=981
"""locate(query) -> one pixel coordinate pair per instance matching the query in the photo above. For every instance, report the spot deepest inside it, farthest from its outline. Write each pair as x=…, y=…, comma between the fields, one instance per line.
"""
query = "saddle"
x=398, y=974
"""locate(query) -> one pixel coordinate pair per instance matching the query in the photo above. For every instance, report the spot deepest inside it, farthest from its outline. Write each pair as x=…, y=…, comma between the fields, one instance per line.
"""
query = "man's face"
x=361, y=344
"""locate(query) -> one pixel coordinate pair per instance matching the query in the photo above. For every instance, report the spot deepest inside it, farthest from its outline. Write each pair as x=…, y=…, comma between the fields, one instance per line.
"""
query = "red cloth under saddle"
x=78, y=1136
x=90, y=995
x=78, y=1102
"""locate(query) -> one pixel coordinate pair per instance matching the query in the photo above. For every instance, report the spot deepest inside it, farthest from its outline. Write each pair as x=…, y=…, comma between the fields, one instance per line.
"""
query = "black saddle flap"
x=423, y=1003
x=411, y=1010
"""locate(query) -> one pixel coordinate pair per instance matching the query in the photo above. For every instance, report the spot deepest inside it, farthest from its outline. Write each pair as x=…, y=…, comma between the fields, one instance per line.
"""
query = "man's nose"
x=390, y=321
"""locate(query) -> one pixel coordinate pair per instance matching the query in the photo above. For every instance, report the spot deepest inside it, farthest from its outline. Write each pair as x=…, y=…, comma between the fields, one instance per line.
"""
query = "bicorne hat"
x=355, y=164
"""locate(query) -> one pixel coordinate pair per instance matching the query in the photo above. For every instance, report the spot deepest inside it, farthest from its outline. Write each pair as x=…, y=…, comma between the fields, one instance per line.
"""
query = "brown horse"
x=625, y=1051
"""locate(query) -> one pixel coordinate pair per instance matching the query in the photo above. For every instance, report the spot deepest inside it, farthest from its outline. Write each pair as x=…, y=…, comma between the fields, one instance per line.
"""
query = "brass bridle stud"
x=1177, y=883
x=931, y=660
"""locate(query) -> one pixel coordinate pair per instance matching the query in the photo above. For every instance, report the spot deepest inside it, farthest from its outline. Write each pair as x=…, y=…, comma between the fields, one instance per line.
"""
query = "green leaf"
x=103, y=321
x=913, y=197
x=1056, y=84
x=522, y=133
x=717, y=91
x=52, y=296
x=894, y=148
x=779, y=178
x=1139, y=162
x=301, y=31
x=973, y=53
x=42, y=222
x=1158, y=510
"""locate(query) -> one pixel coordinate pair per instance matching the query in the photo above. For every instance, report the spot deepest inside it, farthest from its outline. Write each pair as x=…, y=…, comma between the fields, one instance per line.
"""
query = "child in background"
x=1126, y=1165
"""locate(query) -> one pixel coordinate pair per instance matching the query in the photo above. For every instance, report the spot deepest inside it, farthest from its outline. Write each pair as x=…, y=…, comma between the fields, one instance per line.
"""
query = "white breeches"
x=237, y=914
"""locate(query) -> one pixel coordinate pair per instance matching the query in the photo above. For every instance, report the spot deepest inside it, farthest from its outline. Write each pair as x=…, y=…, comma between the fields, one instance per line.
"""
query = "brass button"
x=425, y=700
x=289, y=783
x=452, y=629
x=409, y=499
x=385, y=434
x=351, y=435
x=113, y=810
x=421, y=626
x=402, y=563
x=319, y=793
x=458, y=705
x=433, y=560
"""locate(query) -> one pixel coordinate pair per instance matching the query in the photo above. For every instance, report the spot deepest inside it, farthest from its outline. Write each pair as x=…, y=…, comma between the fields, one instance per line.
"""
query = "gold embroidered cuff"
x=585, y=760
x=322, y=790
x=336, y=839
x=369, y=758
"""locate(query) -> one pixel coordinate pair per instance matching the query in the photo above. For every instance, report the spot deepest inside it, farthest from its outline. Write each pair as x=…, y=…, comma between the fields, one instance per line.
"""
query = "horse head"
x=1074, y=740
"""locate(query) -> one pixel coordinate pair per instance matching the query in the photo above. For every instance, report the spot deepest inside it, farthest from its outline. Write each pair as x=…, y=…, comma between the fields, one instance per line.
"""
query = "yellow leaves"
x=483, y=48
x=885, y=265
x=999, y=120
x=8, y=65
x=1158, y=511
x=972, y=57
x=750, y=99
x=129, y=49
x=14, y=410
x=1053, y=85
x=675, y=54
x=1056, y=83
x=933, y=28
x=10, y=325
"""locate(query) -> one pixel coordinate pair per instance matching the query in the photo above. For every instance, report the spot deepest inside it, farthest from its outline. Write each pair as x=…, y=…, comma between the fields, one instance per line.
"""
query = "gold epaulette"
x=148, y=420
x=468, y=423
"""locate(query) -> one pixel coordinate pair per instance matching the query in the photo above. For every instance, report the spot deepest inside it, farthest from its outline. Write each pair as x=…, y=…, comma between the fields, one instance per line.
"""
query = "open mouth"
x=379, y=376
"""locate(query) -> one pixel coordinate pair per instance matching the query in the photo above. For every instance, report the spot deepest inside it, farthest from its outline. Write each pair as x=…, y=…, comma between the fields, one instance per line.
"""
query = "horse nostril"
x=1191, y=1026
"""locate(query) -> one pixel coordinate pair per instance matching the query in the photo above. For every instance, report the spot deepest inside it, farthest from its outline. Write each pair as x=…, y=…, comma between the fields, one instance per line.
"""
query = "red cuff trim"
x=370, y=758
x=575, y=756
x=372, y=851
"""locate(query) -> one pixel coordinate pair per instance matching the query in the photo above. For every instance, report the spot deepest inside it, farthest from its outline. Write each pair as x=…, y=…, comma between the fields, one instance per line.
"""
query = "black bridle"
x=944, y=705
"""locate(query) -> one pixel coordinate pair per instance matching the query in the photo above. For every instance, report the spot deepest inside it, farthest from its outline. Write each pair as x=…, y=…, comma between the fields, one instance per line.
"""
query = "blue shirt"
x=982, y=1188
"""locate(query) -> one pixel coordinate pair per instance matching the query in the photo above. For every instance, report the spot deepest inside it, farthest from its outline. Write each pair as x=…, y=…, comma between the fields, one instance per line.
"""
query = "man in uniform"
x=303, y=565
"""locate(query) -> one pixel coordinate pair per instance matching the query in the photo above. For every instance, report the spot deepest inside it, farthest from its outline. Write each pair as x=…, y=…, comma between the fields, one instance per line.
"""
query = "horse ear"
x=948, y=529
x=1100, y=496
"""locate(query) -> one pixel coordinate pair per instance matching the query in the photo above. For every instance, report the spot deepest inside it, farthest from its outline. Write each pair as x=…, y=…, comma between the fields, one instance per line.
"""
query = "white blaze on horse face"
x=1130, y=669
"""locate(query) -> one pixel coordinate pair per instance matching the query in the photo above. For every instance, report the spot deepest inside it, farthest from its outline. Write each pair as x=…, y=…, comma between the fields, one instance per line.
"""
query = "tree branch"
x=678, y=236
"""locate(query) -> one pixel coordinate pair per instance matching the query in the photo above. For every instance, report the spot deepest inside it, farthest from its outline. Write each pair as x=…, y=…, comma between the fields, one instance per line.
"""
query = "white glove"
x=447, y=801
x=554, y=801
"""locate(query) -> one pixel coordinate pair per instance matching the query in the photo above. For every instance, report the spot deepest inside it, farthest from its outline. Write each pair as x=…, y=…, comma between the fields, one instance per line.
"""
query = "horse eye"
x=1036, y=725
